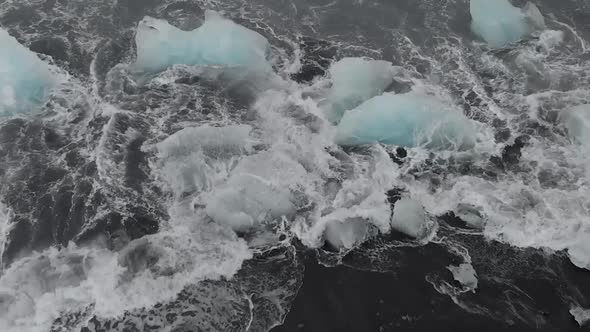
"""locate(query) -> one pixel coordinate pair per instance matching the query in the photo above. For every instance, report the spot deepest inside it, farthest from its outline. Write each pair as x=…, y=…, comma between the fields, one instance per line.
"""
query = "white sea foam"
x=36, y=290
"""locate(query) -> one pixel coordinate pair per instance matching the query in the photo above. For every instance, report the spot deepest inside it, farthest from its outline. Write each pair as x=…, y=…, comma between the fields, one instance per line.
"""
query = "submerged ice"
x=498, y=22
x=355, y=80
x=24, y=78
x=408, y=120
x=218, y=41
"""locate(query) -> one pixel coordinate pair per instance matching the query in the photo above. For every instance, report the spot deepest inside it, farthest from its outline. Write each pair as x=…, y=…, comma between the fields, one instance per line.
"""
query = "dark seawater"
x=82, y=178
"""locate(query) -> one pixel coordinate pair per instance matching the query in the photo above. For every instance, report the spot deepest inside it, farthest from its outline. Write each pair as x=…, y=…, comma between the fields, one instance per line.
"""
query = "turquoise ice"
x=218, y=41
x=24, y=79
x=499, y=23
x=409, y=120
x=355, y=80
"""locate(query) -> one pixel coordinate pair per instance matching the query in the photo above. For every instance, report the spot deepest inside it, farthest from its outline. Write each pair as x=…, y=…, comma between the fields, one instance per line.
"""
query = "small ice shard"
x=24, y=79
x=407, y=120
x=577, y=123
x=355, y=80
x=218, y=41
x=465, y=274
x=498, y=22
x=581, y=315
x=410, y=218
x=347, y=234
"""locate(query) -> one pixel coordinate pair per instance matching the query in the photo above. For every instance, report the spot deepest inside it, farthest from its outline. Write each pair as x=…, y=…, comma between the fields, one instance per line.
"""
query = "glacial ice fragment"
x=355, y=80
x=577, y=123
x=581, y=315
x=465, y=274
x=498, y=22
x=579, y=252
x=410, y=218
x=346, y=234
x=258, y=190
x=24, y=78
x=192, y=157
x=218, y=41
x=409, y=120
x=246, y=200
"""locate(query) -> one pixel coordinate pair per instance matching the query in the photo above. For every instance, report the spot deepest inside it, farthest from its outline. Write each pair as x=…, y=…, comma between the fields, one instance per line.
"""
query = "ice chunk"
x=577, y=123
x=550, y=39
x=579, y=252
x=246, y=200
x=409, y=120
x=533, y=17
x=498, y=22
x=465, y=274
x=259, y=190
x=216, y=142
x=355, y=80
x=410, y=218
x=346, y=234
x=471, y=215
x=193, y=159
x=581, y=315
x=24, y=78
x=218, y=41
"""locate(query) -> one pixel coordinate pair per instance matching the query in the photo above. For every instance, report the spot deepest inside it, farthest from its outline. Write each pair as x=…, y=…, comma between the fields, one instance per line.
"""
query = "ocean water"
x=214, y=165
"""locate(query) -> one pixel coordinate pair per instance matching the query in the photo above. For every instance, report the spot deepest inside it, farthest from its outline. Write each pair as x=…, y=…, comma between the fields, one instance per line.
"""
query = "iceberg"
x=355, y=80
x=498, y=22
x=218, y=42
x=24, y=79
x=577, y=122
x=409, y=120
